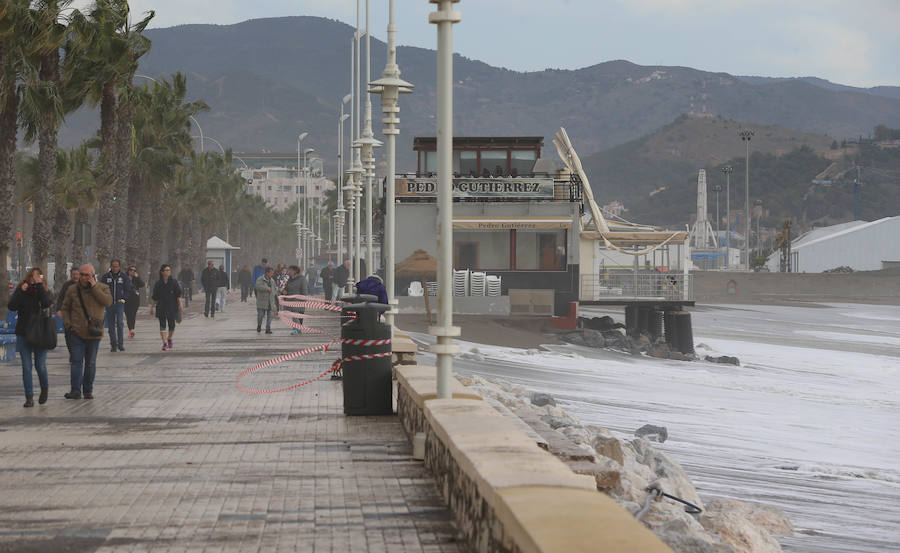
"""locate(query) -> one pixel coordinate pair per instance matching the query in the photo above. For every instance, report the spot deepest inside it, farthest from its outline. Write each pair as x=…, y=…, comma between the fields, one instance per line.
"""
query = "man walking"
x=245, y=280
x=82, y=311
x=341, y=276
x=265, y=299
x=296, y=286
x=224, y=285
x=186, y=279
x=120, y=288
x=73, y=279
x=327, y=276
x=258, y=271
x=209, y=278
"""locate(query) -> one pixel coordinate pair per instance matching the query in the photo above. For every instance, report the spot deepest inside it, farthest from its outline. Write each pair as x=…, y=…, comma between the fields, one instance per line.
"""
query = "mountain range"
x=267, y=80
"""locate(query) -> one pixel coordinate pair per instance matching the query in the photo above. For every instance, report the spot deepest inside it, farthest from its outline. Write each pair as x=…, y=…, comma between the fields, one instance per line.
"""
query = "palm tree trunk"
x=64, y=227
x=82, y=217
x=8, y=128
x=43, y=196
x=133, y=250
x=106, y=221
x=123, y=171
x=156, y=235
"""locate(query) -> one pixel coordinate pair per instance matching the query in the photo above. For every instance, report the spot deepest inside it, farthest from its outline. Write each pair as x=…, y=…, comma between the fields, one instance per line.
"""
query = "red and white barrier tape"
x=287, y=318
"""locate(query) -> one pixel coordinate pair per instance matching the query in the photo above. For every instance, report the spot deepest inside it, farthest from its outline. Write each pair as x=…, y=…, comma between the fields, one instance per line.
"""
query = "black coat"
x=341, y=274
x=166, y=295
x=29, y=304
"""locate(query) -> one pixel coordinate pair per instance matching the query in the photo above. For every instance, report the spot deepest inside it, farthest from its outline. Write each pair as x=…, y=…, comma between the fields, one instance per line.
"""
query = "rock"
x=748, y=528
x=540, y=399
x=652, y=433
x=677, y=356
x=723, y=359
x=684, y=537
x=575, y=337
x=556, y=422
x=609, y=447
x=600, y=323
x=594, y=338
x=672, y=478
x=578, y=435
x=607, y=474
x=615, y=339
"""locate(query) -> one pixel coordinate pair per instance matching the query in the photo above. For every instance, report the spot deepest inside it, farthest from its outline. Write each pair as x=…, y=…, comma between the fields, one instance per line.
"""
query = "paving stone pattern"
x=170, y=456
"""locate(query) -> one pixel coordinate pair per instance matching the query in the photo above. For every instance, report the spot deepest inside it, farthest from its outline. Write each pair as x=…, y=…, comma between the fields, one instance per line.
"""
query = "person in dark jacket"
x=209, y=278
x=186, y=280
x=73, y=279
x=222, y=290
x=28, y=299
x=120, y=287
x=296, y=286
x=167, y=301
x=246, y=282
x=134, y=299
x=373, y=285
x=327, y=276
x=85, y=302
x=341, y=276
x=258, y=271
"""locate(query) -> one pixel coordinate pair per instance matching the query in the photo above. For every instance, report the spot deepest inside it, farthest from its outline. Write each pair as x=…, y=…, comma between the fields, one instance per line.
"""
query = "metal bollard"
x=366, y=382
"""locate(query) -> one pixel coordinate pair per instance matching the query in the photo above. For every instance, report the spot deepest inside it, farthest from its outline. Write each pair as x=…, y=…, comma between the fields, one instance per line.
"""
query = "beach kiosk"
x=219, y=252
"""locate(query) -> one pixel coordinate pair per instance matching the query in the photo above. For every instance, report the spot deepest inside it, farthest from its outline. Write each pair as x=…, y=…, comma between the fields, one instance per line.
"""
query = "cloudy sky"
x=854, y=43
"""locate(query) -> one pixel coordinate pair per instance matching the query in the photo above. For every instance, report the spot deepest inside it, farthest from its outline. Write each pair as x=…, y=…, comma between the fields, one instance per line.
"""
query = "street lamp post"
x=444, y=17
x=340, y=211
x=717, y=188
x=728, y=169
x=746, y=136
x=389, y=86
x=307, y=220
x=299, y=223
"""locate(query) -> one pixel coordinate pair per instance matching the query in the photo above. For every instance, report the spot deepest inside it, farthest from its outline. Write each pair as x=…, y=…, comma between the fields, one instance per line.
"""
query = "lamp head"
x=345, y=117
x=345, y=99
x=302, y=136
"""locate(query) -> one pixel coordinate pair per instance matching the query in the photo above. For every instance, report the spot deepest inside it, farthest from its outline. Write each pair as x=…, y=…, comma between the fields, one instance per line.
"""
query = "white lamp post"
x=340, y=211
x=389, y=86
x=307, y=223
x=299, y=223
x=444, y=17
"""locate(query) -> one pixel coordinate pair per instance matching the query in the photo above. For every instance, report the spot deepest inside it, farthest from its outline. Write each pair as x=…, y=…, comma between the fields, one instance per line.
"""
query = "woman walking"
x=134, y=299
x=167, y=301
x=28, y=300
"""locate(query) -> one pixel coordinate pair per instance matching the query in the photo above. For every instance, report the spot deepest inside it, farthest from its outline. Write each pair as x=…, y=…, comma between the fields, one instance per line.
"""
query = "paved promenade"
x=170, y=456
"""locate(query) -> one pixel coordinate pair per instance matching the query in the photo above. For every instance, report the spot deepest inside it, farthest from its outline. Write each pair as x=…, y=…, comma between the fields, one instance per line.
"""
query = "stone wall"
x=867, y=287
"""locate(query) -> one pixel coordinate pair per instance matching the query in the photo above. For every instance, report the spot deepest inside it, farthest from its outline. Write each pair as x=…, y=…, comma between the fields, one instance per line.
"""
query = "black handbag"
x=41, y=331
x=94, y=327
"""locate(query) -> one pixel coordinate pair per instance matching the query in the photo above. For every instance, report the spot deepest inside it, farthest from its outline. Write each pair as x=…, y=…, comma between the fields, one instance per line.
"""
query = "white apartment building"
x=280, y=187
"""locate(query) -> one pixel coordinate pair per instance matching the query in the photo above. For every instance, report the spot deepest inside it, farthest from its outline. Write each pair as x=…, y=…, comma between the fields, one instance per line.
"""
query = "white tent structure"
x=860, y=245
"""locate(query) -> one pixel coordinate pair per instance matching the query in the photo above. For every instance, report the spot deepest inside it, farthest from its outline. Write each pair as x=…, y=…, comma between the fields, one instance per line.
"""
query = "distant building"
x=281, y=186
x=860, y=245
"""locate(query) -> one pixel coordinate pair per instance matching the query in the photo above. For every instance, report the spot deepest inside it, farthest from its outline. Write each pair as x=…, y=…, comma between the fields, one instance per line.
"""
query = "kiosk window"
x=541, y=250
x=522, y=162
x=493, y=162
x=468, y=163
x=481, y=250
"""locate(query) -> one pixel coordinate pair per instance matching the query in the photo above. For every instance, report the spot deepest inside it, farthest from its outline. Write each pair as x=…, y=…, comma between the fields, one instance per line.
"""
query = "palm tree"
x=13, y=43
x=111, y=47
x=74, y=191
x=162, y=144
x=42, y=109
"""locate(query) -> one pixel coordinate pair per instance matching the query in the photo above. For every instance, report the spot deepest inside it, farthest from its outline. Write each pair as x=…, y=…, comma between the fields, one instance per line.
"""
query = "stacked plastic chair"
x=461, y=282
x=431, y=288
x=477, y=284
x=492, y=285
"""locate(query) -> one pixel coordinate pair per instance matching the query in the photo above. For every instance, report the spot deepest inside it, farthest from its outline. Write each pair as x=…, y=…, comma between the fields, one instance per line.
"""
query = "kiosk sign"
x=519, y=187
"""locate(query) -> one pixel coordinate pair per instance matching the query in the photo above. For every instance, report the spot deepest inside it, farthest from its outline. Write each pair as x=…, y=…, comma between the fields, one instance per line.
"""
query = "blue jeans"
x=115, y=320
x=84, y=362
x=267, y=313
x=40, y=364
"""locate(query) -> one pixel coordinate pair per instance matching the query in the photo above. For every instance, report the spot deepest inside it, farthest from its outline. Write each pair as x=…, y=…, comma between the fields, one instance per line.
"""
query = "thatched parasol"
x=417, y=265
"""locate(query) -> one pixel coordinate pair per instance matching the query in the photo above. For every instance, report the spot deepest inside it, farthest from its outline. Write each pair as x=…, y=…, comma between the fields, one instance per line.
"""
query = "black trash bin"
x=366, y=382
